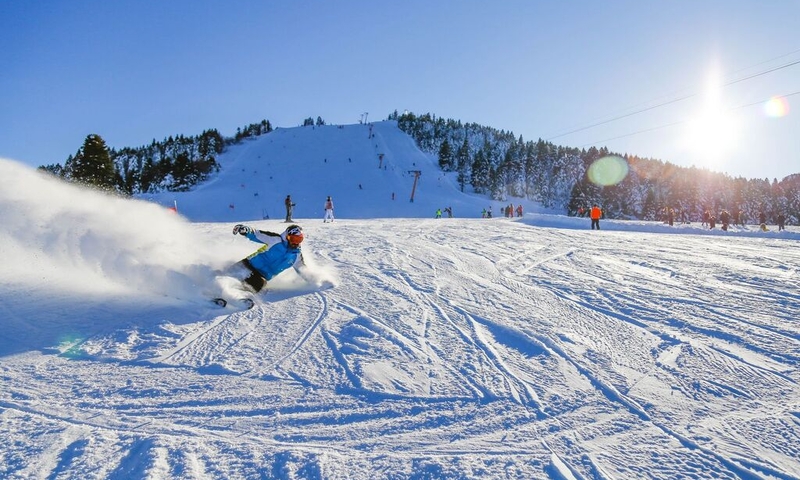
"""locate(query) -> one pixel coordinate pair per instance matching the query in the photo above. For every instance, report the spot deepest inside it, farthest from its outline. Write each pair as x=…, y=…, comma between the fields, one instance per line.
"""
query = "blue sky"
x=135, y=73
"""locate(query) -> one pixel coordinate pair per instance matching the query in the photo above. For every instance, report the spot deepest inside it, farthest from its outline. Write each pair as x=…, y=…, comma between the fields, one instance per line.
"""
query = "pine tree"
x=53, y=169
x=446, y=156
x=481, y=173
x=92, y=164
x=462, y=163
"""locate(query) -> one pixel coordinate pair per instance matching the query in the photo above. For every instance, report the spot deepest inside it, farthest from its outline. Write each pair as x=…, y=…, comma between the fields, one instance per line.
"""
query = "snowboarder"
x=289, y=208
x=328, y=210
x=280, y=251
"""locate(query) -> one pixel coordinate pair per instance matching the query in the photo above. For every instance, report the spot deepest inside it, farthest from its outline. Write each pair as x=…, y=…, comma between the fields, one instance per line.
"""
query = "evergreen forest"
x=499, y=164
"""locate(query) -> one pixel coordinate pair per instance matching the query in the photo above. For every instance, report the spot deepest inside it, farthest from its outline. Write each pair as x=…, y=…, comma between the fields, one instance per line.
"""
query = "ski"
x=247, y=303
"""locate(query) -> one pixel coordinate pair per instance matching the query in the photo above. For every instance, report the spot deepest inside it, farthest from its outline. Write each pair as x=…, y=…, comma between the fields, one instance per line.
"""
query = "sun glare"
x=713, y=132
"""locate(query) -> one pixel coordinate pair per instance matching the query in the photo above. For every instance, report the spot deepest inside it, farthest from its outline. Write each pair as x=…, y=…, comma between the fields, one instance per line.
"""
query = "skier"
x=289, y=208
x=280, y=251
x=328, y=210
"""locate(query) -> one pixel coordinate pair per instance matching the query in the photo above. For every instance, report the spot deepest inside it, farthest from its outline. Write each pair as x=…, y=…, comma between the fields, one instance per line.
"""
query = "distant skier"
x=328, y=210
x=289, y=208
x=595, y=213
x=725, y=218
x=280, y=251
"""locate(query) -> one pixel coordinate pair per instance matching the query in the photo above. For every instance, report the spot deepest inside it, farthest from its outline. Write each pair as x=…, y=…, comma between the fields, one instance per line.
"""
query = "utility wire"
x=682, y=90
x=678, y=123
x=672, y=101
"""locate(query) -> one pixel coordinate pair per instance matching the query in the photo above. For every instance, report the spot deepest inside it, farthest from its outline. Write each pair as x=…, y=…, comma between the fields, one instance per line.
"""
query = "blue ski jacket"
x=275, y=256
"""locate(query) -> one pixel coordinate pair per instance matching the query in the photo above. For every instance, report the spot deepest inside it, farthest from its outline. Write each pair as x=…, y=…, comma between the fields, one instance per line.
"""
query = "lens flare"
x=608, y=170
x=70, y=346
x=776, y=107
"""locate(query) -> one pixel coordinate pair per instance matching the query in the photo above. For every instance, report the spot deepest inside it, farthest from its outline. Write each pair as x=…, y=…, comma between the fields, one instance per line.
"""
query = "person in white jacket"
x=328, y=210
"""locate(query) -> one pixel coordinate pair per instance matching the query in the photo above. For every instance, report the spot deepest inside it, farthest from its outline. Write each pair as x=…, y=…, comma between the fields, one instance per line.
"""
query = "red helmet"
x=294, y=235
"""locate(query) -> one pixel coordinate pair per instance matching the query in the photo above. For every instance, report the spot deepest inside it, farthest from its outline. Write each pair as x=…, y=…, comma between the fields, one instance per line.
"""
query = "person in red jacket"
x=595, y=213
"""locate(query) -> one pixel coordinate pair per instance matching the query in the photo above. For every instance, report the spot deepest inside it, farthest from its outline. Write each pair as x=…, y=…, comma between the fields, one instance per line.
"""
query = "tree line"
x=176, y=163
x=485, y=160
x=499, y=164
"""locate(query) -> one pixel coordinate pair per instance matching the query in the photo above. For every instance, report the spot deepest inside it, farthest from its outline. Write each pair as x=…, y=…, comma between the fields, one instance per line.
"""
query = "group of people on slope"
x=738, y=218
x=508, y=211
x=447, y=210
x=328, y=207
x=708, y=219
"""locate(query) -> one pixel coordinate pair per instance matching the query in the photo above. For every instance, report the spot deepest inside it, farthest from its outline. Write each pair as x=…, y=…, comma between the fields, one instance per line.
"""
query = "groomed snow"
x=448, y=348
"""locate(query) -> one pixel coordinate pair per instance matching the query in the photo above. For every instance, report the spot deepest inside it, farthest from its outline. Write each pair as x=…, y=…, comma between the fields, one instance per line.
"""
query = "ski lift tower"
x=416, y=173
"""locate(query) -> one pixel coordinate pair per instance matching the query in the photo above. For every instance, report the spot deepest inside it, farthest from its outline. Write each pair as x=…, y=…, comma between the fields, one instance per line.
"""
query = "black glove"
x=241, y=229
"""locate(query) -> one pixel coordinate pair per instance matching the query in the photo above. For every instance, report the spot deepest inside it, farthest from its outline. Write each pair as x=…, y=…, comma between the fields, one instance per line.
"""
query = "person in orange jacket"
x=595, y=213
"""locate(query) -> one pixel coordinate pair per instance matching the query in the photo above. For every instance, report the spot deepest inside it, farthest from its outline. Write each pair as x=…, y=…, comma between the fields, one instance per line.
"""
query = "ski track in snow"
x=552, y=362
x=450, y=348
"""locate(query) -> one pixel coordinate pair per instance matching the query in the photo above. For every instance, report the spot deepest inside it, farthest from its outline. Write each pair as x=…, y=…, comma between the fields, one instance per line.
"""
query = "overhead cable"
x=671, y=101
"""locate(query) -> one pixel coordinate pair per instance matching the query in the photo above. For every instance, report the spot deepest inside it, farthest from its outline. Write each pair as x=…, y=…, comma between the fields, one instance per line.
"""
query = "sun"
x=712, y=133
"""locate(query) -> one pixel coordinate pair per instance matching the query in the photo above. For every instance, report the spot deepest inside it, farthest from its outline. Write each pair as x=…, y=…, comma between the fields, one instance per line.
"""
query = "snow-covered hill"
x=449, y=348
x=366, y=169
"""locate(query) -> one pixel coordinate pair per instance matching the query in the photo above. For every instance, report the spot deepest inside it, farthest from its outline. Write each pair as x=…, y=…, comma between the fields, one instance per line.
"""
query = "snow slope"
x=450, y=348
x=310, y=163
